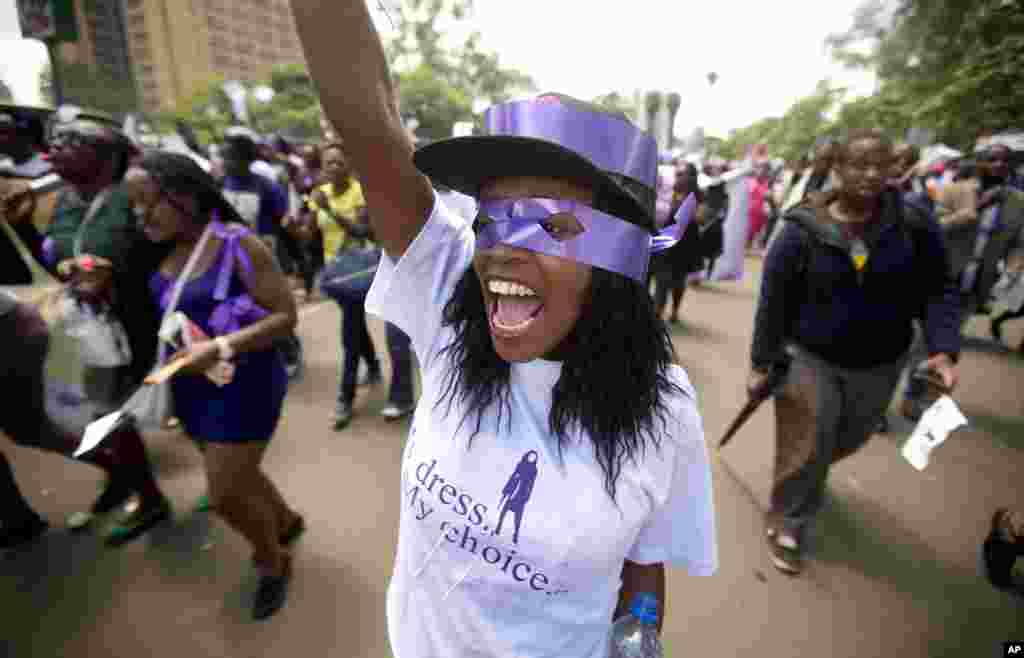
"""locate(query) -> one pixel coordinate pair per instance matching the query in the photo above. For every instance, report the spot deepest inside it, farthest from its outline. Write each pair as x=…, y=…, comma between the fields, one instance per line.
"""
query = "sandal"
x=137, y=522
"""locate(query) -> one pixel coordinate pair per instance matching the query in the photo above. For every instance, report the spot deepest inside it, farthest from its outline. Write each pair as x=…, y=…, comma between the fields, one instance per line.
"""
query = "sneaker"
x=22, y=532
x=293, y=532
x=342, y=416
x=370, y=378
x=272, y=592
x=785, y=552
x=136, y=522
x=202, y=505
x=394, y=411
x=114, y=495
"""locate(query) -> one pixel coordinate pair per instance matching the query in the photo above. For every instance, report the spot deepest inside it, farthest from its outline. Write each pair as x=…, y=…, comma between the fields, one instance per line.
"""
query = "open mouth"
x=514, y=307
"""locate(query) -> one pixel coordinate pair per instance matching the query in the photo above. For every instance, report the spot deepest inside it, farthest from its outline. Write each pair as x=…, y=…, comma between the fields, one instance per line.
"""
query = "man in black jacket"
x=841, y=289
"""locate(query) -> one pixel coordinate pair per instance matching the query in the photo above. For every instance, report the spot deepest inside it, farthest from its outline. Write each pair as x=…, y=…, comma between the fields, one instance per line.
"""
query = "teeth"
x=509, y=288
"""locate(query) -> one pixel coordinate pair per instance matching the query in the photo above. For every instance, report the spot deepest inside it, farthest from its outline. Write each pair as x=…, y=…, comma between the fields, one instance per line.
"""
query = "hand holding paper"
x=935, y=426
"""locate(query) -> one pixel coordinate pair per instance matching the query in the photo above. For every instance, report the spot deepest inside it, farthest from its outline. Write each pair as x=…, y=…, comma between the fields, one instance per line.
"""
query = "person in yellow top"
x=340, y=215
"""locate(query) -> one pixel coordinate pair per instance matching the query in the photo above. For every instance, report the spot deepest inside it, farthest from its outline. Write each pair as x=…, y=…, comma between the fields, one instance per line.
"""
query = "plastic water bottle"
x=635, y=635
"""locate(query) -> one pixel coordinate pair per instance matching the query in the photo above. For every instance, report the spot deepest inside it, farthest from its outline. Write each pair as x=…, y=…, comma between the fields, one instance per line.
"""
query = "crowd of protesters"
x=858, y=238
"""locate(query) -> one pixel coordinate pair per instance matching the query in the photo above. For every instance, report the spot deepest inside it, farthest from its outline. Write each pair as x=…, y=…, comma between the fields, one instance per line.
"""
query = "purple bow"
x=235, y=313
x=673, y=233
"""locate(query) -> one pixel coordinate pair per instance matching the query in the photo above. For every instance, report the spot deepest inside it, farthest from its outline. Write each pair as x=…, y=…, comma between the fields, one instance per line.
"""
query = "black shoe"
x=293, y=532
x=996, y=329
x=883, y=426
x=22, y=532
x=272, y=592
x=116, y=493
x=785, y=552
x=342, y=416
x=1000, y=552
x=135, y=523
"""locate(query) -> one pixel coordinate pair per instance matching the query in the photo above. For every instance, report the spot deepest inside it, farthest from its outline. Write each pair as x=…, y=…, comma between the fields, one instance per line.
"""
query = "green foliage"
x=953, y=65
x=207, y=110
x=616, y=102
x=435, y=103
x=90, y=88
x=439, y=81
x=792, y=134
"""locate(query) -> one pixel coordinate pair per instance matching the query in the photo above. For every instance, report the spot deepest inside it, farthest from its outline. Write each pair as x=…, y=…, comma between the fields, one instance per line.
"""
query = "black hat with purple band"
x=554, y=136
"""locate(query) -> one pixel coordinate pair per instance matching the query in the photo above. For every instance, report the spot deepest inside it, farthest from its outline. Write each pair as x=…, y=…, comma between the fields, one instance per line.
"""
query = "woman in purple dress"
x=230, y=392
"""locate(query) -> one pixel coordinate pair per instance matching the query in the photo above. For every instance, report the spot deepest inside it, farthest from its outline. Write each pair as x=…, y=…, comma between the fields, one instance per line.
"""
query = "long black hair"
x=614, y=381
x=179, y=174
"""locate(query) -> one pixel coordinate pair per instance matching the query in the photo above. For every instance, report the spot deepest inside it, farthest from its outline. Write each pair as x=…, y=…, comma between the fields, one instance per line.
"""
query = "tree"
x=794, y=133
x=616, y=102
x=6, y=95
x=91, y=88
x=437, y=81
x=208, y=110
x=294, y=110
x=951, y=65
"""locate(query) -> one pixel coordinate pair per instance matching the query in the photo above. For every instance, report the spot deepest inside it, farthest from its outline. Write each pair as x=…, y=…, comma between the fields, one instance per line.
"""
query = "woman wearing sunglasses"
x=556, y=459
x=231, y=390
x=93, y=243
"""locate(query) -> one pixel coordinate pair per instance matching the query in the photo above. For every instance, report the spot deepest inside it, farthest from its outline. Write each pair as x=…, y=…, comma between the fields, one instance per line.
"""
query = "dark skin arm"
x=359, y=101
x=269, y=288
x=638, y=578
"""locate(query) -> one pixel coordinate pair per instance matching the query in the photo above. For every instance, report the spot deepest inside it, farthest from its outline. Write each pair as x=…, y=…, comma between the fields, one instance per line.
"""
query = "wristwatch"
x=224, y=348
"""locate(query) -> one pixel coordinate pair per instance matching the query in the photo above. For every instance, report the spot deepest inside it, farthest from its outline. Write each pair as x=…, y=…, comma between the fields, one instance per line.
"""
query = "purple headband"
x=610, y=143
x=605, y=241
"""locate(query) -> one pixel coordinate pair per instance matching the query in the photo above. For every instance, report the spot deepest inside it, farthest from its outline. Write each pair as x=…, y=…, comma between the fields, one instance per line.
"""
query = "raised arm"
x=348, y=67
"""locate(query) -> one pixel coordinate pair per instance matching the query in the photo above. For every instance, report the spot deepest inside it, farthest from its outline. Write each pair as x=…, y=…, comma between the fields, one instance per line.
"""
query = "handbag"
x=349, y=276
x=103, y=341
x=66, y=402
x=152, y=404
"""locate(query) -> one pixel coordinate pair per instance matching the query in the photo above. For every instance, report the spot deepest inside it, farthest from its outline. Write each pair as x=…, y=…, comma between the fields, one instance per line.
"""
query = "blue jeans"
x=401, y=367
x=356, y=343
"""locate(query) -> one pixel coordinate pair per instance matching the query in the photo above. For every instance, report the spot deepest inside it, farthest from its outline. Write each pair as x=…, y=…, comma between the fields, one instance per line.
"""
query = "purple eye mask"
x=594, y=238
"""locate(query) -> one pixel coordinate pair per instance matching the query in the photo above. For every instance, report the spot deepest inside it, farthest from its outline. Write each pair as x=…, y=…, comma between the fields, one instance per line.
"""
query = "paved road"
x=896, y=574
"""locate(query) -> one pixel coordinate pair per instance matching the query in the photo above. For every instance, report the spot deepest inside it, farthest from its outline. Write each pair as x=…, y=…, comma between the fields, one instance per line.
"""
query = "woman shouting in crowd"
x=842, y=286
x=551, y=406
x=230, y=392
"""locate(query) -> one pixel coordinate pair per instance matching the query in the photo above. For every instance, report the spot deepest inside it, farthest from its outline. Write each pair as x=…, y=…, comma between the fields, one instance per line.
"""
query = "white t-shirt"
x=547, y=584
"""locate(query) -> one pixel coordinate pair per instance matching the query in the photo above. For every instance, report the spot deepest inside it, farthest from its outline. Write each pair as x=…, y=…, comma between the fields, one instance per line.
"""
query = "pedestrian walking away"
x=543, y=362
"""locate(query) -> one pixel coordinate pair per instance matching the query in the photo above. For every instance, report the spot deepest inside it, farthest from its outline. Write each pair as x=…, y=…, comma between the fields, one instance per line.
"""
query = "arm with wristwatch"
x=269, y=290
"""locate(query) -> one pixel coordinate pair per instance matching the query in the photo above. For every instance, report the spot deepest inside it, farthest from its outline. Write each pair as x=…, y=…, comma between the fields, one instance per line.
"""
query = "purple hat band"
x=610, y=143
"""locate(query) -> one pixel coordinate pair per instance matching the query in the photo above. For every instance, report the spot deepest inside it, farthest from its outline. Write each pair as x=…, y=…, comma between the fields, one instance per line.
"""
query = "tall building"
x=178, y=47
x=103, y=46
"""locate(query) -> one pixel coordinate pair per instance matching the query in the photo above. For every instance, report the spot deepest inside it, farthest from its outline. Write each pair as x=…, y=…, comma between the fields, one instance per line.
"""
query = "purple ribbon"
x=609, y=142
x=49, y=254
x=673, y=233
x=233, y=252
x=606, y=242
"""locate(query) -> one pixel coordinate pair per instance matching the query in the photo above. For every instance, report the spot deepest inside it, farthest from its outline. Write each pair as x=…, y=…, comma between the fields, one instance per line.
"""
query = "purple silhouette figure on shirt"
x=517, y=492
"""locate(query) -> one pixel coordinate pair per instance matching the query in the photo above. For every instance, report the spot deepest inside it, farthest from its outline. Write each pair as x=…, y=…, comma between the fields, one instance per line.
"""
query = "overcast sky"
x=767, y=55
